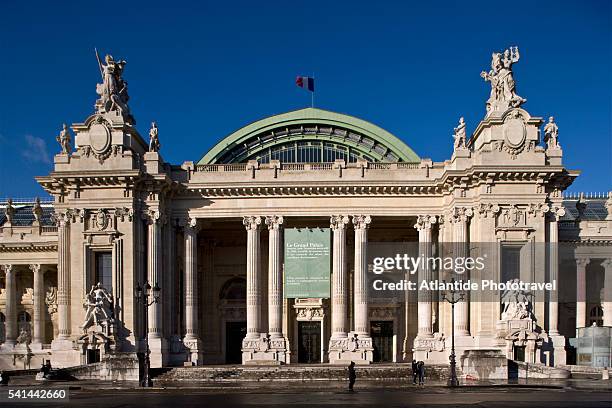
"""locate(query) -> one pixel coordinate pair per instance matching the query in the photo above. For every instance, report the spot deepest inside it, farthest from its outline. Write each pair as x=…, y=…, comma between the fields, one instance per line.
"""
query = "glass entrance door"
x=382, y=340
x=309, y=342
x=234, y=333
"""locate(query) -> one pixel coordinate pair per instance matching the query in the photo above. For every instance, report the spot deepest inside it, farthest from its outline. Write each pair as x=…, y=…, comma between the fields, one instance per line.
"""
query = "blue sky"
x=204, y=69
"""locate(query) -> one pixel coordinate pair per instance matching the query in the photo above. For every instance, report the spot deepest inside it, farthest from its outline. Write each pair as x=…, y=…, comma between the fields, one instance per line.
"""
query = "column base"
x=64, y=353
x=358, y=349
x=265, y=350
x=159, y=352
x=195, y=351
x=559, y=353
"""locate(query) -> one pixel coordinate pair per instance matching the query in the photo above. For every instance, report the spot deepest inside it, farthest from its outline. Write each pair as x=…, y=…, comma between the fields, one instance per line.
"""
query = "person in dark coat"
x=421, y=369
x=352, y=375
x=415, y=371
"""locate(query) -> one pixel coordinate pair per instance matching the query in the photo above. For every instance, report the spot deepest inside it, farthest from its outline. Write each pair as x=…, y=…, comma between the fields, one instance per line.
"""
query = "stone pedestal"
x=352, y=348
x=265, y=351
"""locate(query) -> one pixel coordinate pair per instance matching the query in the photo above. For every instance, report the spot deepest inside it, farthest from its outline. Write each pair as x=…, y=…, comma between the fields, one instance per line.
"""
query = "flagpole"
x=313, y=91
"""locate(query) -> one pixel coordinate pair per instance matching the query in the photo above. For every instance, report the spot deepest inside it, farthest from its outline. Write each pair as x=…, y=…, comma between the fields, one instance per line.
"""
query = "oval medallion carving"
x=99, y=138
x=515, y=132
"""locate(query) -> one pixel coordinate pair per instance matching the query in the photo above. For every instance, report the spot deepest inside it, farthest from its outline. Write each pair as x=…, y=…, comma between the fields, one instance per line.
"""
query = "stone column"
x=154, y=258
x=252, y=225
x=157, y=342
x=424, y=226
x=192, y=337
x=39, y=306
x=275, y=277
x=339, y=278
x=607, y=303
x=460, y=218
x=360, y=293
x=553, y=237
x=581, y=264
x=11, y=306
x=63, y=275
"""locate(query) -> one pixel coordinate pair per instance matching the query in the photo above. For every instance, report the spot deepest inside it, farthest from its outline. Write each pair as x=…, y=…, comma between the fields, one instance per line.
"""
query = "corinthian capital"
x=425, y=222
x=362, y=221
x=274, y=221
x=35, y=268
x=557, y=212
x=155, y=216
x=7, y=268
x=461, y=214
x=582, y=262
x=338, y=221
x=251, y=222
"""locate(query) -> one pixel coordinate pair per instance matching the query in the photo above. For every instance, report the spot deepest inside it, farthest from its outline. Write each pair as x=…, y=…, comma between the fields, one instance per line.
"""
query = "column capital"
x=36, y=268
x=607, y=264
x=582, y=262
x=488, y=210
x=362, y=221
x=68, y=216
x=461, y=214
x=338, y=221
x=425, y=222
x=274, y=222
x=7, y=268
x=155, y=216
x=251, y=223
x=555, y=213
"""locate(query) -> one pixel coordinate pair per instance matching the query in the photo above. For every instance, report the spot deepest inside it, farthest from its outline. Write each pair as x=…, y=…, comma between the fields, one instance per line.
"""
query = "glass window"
x=511, y=262
x=104, y=270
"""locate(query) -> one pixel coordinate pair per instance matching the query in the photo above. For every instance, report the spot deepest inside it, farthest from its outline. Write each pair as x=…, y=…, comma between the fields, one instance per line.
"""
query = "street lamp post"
x=142, y=296
x=455, y=296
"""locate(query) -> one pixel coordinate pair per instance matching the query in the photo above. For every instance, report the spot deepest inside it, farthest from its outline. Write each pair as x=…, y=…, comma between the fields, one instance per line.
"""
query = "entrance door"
x=234, y=333
x=309, y=342
x=382, y=340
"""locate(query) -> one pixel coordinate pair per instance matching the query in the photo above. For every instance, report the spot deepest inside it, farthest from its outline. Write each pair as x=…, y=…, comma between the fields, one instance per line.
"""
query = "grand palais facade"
x=208, y=237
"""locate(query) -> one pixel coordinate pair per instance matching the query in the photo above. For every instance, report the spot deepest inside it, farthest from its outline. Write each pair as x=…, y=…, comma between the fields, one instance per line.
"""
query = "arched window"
x=234, y=289
x=596, y=316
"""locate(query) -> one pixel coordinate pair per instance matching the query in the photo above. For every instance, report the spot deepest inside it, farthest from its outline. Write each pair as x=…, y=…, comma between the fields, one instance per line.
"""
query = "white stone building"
x=208, y=236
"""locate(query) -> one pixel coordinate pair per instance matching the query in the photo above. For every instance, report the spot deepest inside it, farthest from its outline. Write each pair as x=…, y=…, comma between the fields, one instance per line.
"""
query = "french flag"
x=305, y=82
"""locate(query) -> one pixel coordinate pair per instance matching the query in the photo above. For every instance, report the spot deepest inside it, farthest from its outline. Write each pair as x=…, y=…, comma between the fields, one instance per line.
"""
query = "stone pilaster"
x=558, y=341
x=63, y=274
x=38, y=337
x=460, y=218
x=11, y=306
x=607, y=302
x=157, y=343
x=581, y=264
x=192, y=339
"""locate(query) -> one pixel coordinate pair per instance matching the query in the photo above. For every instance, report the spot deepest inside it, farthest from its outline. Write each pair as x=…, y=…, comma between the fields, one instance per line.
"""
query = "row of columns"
x=581, y=292
x=38, y=335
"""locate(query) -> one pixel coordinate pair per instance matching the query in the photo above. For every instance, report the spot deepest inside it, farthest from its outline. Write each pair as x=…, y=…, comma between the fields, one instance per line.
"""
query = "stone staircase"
x=294, y=373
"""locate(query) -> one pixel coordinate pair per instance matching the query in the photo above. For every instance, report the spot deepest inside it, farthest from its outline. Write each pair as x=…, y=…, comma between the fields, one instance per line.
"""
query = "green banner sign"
x=307, y=263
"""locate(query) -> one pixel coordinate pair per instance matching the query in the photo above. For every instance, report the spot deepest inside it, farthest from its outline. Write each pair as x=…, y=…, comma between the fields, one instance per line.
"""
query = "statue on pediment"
x=459, y=134
x=113, y=89
x=154, y=138
x=551, y=134
x=503, y=87
x=64, y=139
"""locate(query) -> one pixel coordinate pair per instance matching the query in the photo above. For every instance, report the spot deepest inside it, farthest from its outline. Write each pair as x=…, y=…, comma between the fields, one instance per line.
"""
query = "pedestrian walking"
x=421, y=369
x=415, y=371
x=352, y=375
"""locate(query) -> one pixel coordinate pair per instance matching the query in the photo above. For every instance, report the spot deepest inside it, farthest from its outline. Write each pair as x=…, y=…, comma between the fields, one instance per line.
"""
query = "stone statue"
x=460, y=134
x=113, y=89
x=503, y=88
x=9, y=211
x=64, y=139
x=517, y=304
x=551, y=134
x=37, y=210
x=153, y=138
x=24, y=337
x=99, y=304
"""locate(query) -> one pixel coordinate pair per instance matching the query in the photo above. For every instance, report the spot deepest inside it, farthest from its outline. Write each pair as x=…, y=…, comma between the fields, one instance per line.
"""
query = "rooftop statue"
x=503, y=88
x=459, y=134
x=551, y=134
x=113, y=89
x=64, y=140
x=153, y=138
